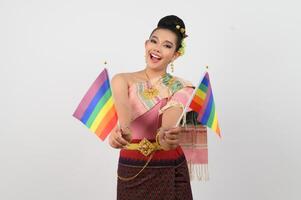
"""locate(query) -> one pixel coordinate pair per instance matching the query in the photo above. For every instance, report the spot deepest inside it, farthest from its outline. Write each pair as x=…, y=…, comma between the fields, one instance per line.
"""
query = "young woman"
x=149, y=103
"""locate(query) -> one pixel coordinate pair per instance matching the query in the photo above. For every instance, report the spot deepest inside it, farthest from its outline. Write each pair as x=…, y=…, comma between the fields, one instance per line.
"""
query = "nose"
x=157, y=48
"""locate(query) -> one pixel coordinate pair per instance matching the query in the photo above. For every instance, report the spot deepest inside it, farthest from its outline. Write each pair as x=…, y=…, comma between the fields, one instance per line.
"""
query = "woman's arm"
x=121, y=135
x=121, y=99
x=169, y=134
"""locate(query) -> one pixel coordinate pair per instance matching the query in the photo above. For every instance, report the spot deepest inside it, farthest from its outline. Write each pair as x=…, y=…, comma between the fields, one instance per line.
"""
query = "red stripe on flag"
x=194, y=106
x=198, y=100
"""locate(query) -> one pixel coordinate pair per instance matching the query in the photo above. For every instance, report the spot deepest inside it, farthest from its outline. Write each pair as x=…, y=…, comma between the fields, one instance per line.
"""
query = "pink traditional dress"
x=162, y=175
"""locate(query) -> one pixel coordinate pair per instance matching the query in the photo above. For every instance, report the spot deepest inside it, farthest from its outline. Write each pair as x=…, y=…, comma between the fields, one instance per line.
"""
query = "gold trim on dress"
x=150, y=93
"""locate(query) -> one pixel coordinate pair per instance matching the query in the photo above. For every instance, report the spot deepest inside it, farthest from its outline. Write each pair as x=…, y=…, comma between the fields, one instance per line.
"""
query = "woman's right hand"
x=169, y=138
x=117, y=140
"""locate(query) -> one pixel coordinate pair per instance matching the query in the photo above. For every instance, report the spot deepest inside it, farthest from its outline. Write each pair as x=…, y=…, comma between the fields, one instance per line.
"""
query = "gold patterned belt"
x=144, y=146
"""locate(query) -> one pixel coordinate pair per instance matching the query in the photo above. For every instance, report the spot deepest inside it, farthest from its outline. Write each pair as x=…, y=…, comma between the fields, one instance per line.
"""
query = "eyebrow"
x=165, y=40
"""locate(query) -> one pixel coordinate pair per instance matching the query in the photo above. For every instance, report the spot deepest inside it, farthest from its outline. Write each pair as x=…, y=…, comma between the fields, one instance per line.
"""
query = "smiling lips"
x=155, y=58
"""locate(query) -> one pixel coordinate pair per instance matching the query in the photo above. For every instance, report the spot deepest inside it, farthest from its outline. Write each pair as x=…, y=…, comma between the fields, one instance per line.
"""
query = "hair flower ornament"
x=182, y=48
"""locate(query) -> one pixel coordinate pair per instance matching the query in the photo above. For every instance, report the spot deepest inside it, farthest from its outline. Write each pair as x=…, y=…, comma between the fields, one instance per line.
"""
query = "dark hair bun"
x=171, y=22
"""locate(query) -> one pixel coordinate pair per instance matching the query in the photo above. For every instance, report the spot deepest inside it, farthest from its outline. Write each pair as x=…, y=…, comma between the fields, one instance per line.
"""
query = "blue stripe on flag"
x=102, y=90
x=205, y=80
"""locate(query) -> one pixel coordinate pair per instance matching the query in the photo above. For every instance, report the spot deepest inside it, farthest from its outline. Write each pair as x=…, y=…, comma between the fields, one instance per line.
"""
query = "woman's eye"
x=168, y=46
x=153, y=41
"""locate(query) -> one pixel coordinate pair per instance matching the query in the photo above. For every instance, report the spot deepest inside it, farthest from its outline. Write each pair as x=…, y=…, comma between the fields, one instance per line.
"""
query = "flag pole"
x=190, y=99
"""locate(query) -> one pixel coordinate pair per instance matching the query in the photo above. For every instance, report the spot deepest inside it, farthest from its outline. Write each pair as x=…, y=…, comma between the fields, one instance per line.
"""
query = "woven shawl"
x=194, y=144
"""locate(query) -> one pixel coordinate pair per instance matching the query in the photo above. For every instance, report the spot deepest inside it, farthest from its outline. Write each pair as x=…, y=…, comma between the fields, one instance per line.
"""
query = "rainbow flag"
x=203, y=103
x=96, y=109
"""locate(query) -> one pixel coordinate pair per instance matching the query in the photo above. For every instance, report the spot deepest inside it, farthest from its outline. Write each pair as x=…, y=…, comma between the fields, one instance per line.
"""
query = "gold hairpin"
x=182, y=30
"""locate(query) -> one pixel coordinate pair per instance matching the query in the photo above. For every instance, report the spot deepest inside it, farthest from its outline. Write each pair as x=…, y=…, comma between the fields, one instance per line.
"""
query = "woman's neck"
x=154, y=73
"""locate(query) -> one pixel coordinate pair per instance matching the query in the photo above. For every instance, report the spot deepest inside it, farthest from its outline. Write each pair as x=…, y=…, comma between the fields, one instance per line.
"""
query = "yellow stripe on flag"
x=214, y=124
x=102, y=113
x=201, y=94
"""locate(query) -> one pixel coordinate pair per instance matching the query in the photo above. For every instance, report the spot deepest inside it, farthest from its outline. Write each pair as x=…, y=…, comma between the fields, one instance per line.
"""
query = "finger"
x=121, y=141
x=176, y=130
x=113, y=141
x=116, y=144
x=126, y=136
x=119, y=131
x=172, y=136
x=172, y=142
x=124, y=133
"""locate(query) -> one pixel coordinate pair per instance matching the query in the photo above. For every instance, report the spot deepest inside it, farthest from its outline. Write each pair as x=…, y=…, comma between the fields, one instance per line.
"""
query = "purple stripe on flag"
x=81, y=108
x=208, y=108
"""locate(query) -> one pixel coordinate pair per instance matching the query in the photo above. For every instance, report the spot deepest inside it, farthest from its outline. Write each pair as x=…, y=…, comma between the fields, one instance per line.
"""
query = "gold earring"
x=172, y=67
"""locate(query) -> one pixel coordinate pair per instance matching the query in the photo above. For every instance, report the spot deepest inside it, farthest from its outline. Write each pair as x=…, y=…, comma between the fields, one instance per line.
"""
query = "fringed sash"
x=194, y=144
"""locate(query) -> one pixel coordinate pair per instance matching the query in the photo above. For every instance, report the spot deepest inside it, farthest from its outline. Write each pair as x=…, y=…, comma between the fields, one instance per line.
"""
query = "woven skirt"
x=154, y=183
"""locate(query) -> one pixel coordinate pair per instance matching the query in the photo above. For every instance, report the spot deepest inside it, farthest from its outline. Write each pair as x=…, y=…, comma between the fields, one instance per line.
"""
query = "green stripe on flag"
x=98, y=107
x=211, y=117
x=203, y=88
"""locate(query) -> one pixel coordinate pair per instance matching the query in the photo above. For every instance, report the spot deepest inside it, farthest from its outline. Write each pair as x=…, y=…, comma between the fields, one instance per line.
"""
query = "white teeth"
x=155, y=56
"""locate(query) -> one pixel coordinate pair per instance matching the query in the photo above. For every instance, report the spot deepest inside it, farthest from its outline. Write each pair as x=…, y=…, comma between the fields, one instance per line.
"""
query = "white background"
x=51, y=51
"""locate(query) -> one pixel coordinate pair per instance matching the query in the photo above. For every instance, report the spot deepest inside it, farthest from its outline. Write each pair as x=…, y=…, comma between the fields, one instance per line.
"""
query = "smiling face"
x=160, y=49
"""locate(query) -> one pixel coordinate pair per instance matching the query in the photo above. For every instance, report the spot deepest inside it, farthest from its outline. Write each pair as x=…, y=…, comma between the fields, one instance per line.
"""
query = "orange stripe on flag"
x=109, y=128
x=104, y=123
x=198, y=100
x=218, y=131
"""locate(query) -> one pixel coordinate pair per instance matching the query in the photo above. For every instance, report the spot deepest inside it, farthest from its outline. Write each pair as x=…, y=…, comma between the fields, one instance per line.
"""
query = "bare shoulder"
x=120, y=79
x=126, y=78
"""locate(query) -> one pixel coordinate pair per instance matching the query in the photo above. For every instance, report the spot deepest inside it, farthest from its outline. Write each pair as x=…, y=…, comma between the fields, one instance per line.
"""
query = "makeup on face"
x=158, y=51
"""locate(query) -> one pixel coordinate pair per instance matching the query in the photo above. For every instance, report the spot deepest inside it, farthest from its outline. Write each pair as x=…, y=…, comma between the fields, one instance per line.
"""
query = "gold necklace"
x=150, y=92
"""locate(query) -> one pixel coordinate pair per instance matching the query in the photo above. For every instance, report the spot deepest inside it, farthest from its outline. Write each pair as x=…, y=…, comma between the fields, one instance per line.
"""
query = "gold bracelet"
x=157, y=139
